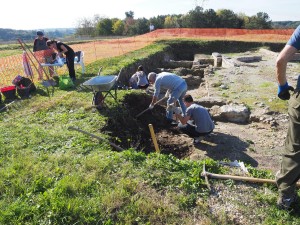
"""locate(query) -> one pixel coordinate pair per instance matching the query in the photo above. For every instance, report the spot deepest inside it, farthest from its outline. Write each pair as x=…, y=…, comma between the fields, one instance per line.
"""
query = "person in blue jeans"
x=289, y=173
x=197, y=122
x=176, y=87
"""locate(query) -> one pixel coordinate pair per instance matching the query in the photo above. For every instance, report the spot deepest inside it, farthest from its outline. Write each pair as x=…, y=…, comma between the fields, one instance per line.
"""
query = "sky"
x=38, y=15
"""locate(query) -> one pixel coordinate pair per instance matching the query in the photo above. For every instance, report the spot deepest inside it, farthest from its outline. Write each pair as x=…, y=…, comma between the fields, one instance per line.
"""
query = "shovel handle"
x=97, y=137
x=148, y=108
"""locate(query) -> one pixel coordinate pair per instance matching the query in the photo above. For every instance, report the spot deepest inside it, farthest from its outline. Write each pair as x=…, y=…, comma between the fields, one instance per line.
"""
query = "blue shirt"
x=295, y=39
x=201, y=118
x=167, y=81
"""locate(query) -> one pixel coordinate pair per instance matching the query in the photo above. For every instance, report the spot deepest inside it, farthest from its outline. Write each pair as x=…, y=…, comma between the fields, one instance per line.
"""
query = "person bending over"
x=176, y=87
x=62, y=48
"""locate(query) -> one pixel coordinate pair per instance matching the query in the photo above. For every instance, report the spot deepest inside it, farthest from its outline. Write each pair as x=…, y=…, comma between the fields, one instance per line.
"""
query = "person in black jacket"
x=61, y=49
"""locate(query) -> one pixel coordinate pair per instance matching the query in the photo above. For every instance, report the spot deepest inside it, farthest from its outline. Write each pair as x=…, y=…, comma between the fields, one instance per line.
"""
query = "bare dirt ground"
x=259, y=144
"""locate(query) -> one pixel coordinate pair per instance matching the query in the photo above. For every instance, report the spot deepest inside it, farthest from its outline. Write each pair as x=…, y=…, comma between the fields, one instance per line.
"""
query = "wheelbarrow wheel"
x=98, y=100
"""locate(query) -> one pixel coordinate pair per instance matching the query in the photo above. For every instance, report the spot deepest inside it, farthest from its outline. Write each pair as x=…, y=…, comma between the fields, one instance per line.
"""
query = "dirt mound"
x=130, y=131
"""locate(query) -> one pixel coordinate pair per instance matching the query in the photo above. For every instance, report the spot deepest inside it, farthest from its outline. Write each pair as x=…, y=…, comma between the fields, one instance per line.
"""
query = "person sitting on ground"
x=176, y=86
x=203, y=124
x=61, y=49
x=139, y=79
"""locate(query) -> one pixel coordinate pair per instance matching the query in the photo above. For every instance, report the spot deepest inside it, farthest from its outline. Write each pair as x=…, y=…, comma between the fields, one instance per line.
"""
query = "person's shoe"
x=286, y=202
x=197, y=140
x=172, y=122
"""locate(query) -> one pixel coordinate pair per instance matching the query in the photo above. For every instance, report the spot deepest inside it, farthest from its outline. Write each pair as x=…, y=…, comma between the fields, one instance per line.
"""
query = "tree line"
x=129, y=26
x=196, y=18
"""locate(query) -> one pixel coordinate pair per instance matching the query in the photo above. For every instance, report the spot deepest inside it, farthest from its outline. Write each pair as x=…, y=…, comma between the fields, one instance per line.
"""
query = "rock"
x=208, y=102
x=231, y=113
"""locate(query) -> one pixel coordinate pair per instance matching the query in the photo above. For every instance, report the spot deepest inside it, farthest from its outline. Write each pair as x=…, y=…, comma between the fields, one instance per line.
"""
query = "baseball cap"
x=40, y=33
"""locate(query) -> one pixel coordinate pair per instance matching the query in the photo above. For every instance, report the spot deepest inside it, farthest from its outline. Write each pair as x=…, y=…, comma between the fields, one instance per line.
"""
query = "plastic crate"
x=9, y=92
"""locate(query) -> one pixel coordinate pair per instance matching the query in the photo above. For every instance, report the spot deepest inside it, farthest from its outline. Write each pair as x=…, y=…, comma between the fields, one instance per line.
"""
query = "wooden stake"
x=154, y=138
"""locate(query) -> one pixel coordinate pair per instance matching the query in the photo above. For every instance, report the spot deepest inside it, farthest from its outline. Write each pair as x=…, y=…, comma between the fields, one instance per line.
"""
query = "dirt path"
x=258, y=143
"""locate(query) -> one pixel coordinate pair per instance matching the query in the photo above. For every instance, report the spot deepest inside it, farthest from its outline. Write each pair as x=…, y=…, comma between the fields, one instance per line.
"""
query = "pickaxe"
x=239, y=178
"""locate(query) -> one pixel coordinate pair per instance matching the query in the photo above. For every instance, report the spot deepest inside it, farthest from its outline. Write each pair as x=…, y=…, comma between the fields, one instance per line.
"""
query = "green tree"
x=141, y=26
x=260, y=21
x=194, y=18
x=228, y=19
x=129, y=14
x=129, y=23
x=158, y=21
x=104, y=27
x=118, y=27
x=171, y=22
x=211, y=18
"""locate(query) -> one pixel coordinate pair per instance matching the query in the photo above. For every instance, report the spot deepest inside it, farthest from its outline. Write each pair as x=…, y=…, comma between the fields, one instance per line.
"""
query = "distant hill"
x=285, y=24
x=12, y=35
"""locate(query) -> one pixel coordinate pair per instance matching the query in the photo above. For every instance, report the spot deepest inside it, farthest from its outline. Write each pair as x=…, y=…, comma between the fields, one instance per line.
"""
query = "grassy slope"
x=50, y=175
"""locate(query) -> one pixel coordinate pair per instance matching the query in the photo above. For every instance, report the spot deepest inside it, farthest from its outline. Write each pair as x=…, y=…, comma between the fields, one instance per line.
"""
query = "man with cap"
x=40, y=44
x=176, y=87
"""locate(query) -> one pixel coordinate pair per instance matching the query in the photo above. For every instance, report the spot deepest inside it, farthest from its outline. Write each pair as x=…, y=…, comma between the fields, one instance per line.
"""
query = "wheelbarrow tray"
x=101, y=83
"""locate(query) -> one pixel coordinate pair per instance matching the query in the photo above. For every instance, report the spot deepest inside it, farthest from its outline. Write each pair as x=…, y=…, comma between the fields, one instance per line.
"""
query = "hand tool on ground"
x=160, y=100
x=238, y=178
x=97, y=137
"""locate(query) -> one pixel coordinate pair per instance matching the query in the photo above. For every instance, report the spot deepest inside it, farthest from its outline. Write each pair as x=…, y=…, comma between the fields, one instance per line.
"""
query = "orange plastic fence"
x=12, y=66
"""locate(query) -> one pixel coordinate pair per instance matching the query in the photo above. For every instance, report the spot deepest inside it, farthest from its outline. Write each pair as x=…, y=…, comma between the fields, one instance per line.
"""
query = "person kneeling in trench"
x=202, y=122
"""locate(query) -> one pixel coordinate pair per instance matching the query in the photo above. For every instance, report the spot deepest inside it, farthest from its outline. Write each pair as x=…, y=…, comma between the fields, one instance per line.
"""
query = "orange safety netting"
x=11, y=66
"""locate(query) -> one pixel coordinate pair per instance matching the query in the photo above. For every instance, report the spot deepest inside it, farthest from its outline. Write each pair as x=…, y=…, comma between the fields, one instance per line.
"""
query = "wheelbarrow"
x=102, y=86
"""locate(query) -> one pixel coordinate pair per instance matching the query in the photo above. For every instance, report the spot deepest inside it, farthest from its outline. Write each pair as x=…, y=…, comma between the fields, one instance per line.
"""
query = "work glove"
x=170, y=107
x=283, y=91
x=151, y=106
x=167, y=93
x=177, y=110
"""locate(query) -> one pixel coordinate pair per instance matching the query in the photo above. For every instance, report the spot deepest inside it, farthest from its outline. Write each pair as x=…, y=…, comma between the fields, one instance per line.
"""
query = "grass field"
x=51, y=175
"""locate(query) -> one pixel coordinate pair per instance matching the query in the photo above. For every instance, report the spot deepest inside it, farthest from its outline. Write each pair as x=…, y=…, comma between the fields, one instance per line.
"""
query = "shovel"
x=160, y=100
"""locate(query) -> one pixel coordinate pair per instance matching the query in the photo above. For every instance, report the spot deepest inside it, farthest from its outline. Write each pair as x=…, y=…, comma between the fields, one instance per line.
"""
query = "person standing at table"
x=40, y=44
x=61, y=49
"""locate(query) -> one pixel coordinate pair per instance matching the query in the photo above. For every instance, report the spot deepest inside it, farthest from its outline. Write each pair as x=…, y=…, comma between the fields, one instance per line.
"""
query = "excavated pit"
x=129, y=131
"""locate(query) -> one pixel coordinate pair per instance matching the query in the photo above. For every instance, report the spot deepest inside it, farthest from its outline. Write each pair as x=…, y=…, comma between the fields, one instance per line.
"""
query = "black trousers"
x=70, y=64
